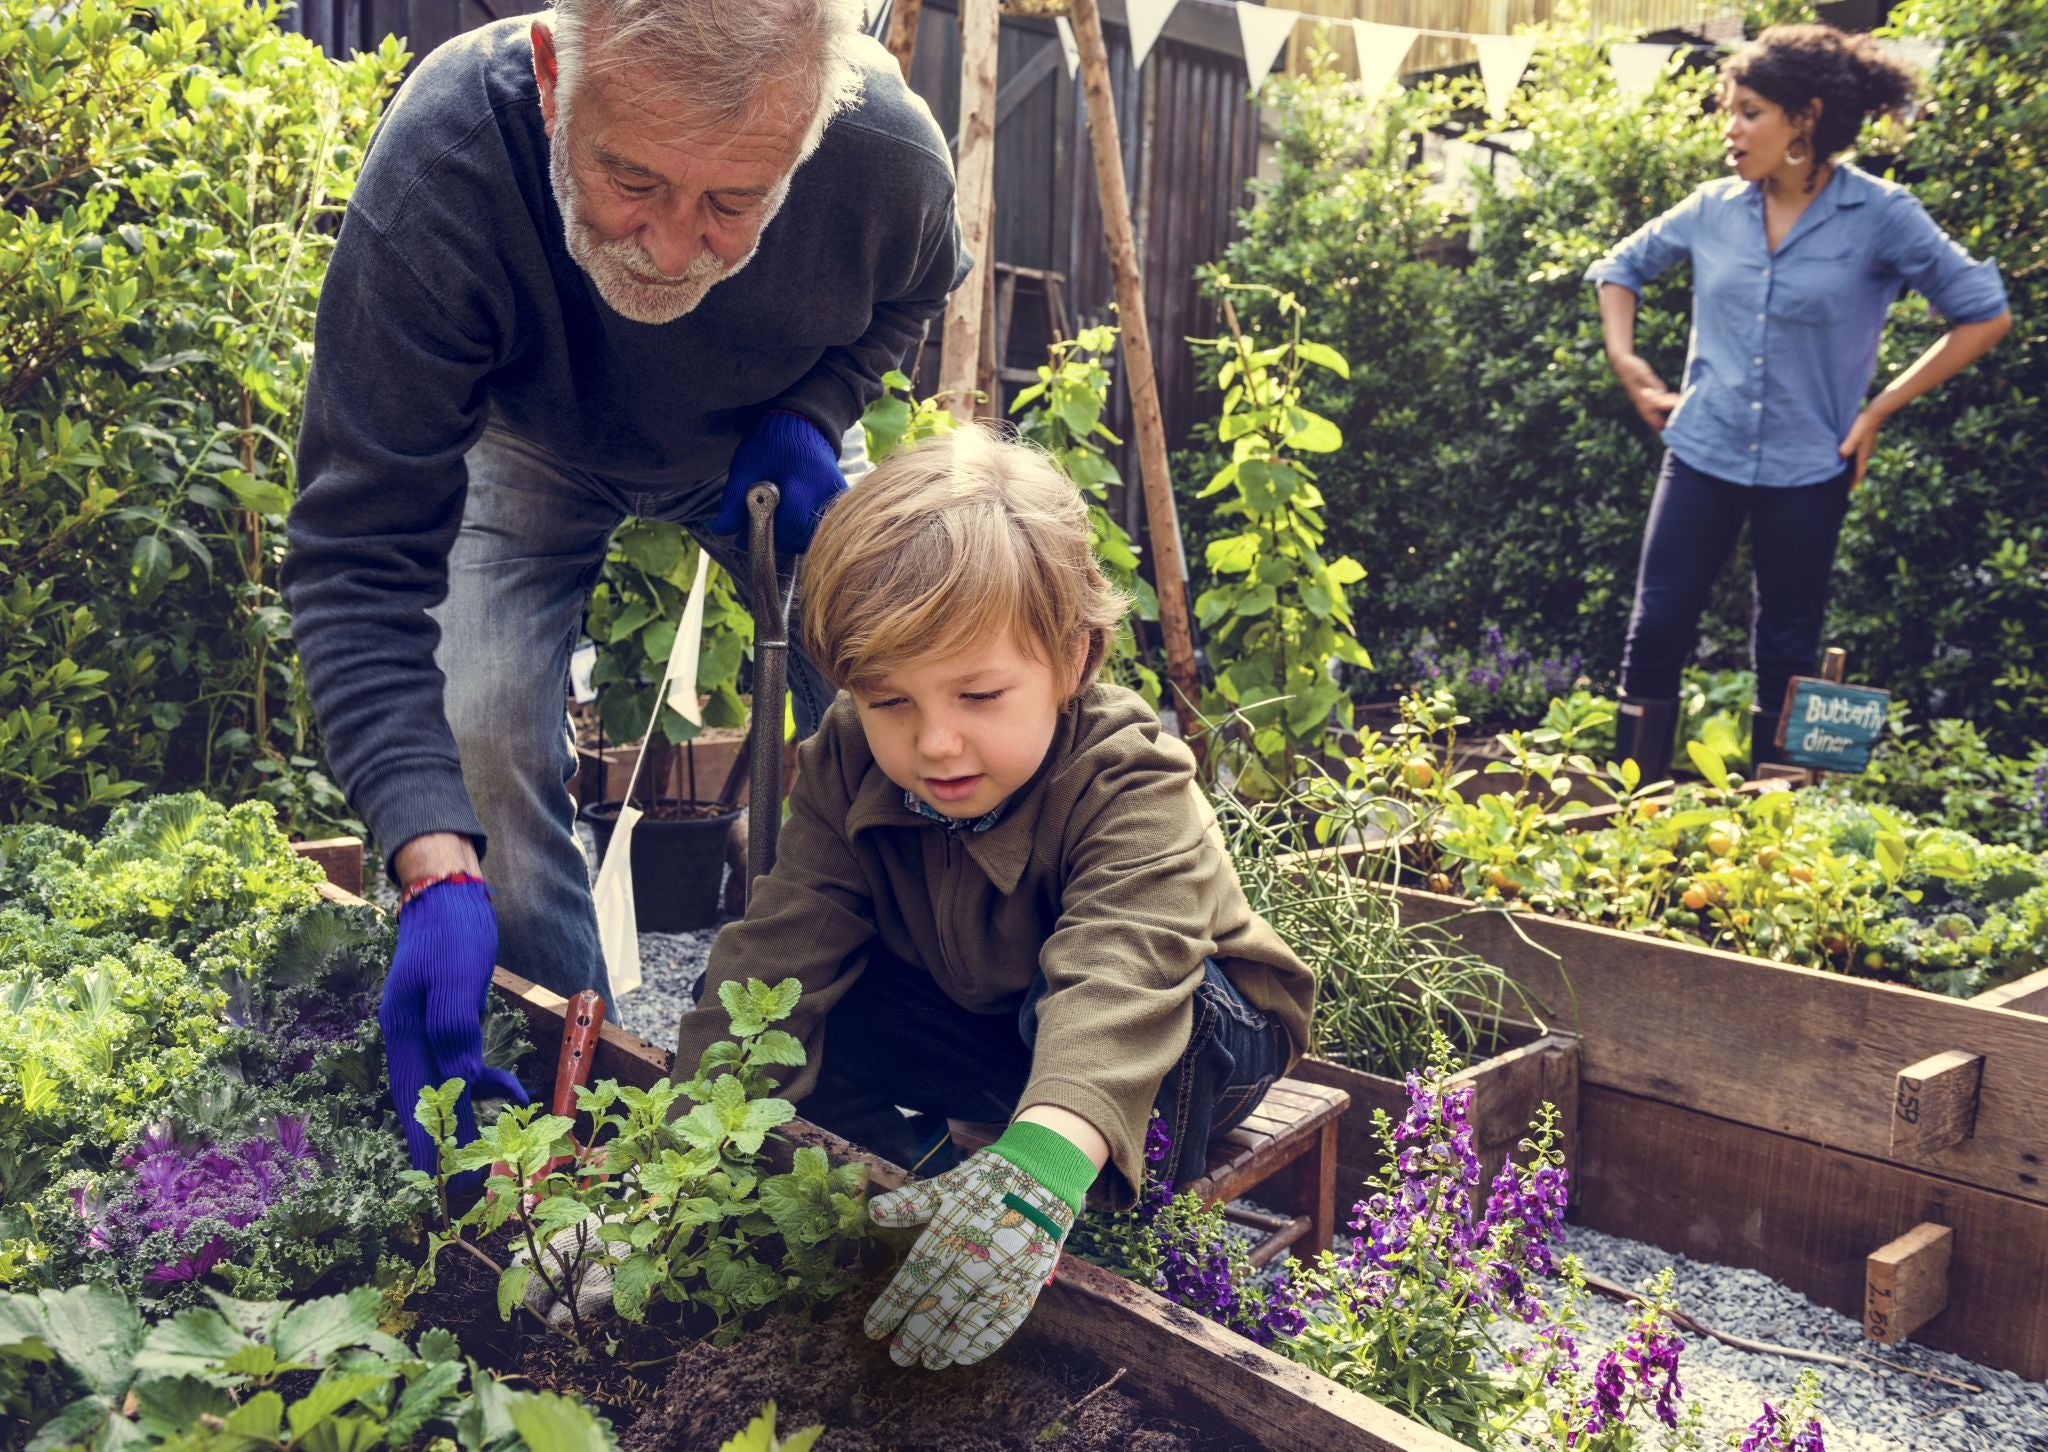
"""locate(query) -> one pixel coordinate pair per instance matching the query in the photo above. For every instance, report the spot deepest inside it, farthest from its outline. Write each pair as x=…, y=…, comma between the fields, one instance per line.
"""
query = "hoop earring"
x=1800, y=159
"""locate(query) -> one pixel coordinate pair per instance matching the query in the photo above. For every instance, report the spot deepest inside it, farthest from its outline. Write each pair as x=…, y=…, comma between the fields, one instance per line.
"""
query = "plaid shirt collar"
x=913, y=802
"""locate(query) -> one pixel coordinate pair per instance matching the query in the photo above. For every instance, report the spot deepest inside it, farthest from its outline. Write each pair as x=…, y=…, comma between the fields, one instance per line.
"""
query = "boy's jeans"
x=533, y=537
x=897, y=1039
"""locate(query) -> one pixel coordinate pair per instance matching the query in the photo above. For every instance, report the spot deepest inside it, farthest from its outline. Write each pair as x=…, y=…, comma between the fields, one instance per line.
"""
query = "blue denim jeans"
x=1695, y=520
x=896, y=1039
x=534, y=533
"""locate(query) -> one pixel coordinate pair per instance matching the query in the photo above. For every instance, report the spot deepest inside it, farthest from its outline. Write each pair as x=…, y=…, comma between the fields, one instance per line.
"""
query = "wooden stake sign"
x=1830, y=726
x=1162, y=528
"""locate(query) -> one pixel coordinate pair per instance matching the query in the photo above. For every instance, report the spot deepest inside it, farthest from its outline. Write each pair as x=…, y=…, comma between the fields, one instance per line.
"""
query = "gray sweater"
x=451, y=300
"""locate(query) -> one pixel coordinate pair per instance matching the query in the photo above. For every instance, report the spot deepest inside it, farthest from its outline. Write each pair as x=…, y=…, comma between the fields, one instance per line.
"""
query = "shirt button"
x=1759, y=360
x=1752, y=448
x=1767, y=272
x=1756, y=405
x=1759, y=317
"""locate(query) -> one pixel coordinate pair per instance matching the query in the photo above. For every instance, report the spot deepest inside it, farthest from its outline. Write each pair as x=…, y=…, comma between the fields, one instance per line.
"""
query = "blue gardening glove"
x=786, y=450
x=433, y=1009
x=994, y=1225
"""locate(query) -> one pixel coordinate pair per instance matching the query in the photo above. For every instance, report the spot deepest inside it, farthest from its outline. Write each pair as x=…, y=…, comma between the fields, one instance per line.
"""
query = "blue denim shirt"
x=1783, y=344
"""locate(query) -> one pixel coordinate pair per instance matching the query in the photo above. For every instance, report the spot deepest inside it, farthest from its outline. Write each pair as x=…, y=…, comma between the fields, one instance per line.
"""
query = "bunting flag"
x=1921, y=55
x=1382, y=50
x=1264, y=30
x=1146, y=18
x=1068, y=47
x=1637, y=66
x=1502, y=59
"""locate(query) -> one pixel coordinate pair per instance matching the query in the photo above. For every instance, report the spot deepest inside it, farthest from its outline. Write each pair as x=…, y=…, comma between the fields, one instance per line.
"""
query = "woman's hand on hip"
x=1652, y=400
x=1862, y=439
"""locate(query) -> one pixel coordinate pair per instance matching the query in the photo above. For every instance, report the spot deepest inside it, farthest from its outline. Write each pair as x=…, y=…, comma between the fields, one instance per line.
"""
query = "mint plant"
x=669, y=1204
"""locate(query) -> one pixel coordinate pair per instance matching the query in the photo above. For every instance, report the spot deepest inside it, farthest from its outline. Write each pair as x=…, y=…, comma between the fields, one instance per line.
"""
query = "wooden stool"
x=1290, y=1140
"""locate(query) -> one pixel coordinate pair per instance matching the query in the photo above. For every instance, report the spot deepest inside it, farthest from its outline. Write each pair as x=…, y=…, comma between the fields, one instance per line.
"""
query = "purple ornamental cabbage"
x=177, y=1187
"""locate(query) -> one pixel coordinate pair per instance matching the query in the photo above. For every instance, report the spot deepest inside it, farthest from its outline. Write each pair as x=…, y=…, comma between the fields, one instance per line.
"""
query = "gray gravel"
x=1879, y=1410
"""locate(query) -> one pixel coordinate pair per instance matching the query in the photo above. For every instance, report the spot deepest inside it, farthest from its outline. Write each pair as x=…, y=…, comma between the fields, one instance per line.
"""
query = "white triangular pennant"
x=1920, y=54
x=681, y=676
x=1264, y=30
x=1146, y=18
x=618, y=925
x=1382, y=51
x=1502, y=59
x=1637, y=65
x=1068, y=46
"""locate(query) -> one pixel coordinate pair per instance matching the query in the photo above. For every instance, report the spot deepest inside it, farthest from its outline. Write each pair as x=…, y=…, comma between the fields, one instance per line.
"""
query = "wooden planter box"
x=1507, y=1091
x=602, y=776
x=1188, y=1367
x=1785, y=1119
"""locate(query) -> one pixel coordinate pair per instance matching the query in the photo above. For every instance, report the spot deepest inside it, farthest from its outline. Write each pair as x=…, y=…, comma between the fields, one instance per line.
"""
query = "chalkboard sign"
x=1831, y=726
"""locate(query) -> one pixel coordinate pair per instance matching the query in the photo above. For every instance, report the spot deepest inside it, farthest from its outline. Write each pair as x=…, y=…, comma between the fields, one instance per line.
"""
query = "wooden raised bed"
x=1189, y=1367
x=1507, y=1091
x=1780, y=1118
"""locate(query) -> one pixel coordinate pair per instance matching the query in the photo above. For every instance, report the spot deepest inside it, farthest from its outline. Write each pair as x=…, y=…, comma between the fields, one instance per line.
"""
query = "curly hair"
x=1792, y=66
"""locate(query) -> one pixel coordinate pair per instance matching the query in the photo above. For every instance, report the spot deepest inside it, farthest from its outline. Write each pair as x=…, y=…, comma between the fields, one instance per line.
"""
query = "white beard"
x=612, y=265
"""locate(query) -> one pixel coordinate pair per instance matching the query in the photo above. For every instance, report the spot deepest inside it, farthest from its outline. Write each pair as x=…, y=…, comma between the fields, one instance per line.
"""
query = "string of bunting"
x=1382, y=50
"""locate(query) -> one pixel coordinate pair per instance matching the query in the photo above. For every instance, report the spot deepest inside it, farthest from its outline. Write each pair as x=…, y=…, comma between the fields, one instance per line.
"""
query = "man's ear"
x=546, y=72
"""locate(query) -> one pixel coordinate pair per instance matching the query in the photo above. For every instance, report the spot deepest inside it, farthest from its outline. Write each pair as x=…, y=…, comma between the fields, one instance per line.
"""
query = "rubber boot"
x=1763, y=738
x=1644, y=731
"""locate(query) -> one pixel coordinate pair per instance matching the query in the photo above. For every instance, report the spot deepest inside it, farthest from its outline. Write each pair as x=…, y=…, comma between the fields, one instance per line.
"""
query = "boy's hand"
x=992, y=1236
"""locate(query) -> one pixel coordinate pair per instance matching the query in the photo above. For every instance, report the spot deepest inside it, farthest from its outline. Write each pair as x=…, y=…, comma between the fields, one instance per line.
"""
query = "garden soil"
x=828, y=1372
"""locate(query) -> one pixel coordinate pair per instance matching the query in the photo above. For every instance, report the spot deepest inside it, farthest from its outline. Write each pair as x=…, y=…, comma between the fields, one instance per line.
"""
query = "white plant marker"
x=618, y=925
x=1069, y=47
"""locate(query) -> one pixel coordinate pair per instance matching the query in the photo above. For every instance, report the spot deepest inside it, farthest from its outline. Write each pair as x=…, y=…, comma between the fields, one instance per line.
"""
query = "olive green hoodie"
x=1105, y=872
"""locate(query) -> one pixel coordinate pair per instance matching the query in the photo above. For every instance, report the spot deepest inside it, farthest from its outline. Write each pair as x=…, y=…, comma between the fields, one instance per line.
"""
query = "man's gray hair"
x=716, y=58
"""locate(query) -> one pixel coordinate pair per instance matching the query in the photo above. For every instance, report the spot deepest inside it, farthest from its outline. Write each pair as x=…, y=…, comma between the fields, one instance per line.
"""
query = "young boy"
x=1001, y=889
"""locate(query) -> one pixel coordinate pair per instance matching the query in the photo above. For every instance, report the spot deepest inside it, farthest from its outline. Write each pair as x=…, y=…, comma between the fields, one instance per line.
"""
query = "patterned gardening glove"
x=432, y=1013
x=786, y=450
x=993, y=1229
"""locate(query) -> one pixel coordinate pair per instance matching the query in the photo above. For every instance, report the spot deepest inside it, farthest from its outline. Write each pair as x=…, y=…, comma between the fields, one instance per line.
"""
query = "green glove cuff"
x=1050, y=1158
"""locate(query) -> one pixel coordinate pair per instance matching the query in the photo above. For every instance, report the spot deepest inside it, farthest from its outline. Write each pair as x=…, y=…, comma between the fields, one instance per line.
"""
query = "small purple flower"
x=1610, y=1385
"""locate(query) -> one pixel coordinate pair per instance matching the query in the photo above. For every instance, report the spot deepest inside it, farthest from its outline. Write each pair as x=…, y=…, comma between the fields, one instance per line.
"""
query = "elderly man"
x=626, y=257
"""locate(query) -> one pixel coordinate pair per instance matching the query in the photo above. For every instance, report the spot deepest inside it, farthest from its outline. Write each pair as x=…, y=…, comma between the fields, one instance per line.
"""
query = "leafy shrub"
x=168, y=180
x=1949, y=775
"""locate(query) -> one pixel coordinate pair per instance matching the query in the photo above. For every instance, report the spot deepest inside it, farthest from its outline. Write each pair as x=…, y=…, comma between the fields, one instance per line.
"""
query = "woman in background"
x=1796, y=260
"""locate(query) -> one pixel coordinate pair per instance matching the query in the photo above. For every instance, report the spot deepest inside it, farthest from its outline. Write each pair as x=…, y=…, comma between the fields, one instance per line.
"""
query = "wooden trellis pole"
x=960, y=365
x=902, y=41
x=1161, y=523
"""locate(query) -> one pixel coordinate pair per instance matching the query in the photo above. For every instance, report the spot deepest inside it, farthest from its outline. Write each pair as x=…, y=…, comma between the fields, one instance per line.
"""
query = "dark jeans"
x=897, y=1039
x=1694, y=522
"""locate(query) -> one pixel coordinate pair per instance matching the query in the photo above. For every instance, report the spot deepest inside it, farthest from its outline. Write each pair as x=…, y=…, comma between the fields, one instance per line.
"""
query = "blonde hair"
x=949, y=542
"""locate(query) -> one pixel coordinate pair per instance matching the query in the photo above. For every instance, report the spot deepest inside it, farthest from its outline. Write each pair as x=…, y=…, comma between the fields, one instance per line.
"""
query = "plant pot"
x=678, y=863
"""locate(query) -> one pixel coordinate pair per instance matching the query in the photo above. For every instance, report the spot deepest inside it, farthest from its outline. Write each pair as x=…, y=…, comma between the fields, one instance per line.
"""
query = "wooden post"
x=902, y=40
x=980, y=24
x=1161, y=524
x=1936, y=1104
x=1905, y=1283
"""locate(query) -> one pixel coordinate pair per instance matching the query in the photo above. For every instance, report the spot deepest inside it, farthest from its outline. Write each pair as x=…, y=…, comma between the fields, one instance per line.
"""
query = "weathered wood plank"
x=1507, y=1090
x=2024, y=995
x=1808, y=1216
x=341, y=858
x=1792, y=1050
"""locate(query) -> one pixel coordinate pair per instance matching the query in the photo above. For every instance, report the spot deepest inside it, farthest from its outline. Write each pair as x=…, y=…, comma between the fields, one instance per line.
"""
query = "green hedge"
x=169, y=178
x=1494, y=473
